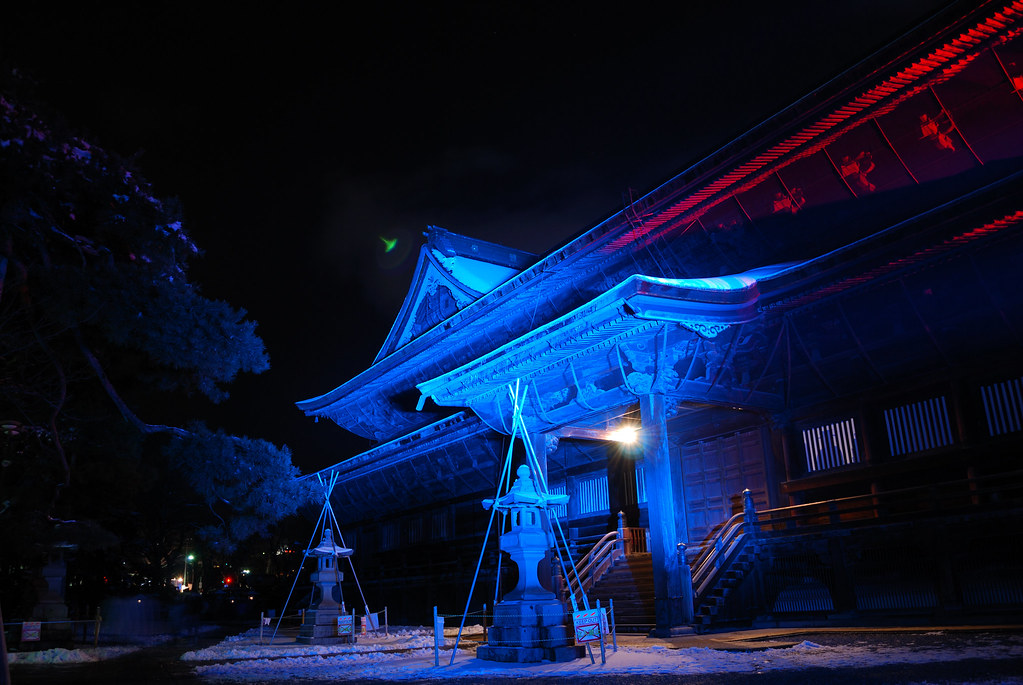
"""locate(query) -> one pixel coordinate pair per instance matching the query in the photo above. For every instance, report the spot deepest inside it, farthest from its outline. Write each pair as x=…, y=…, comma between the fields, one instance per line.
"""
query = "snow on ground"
x=242, y=661
x=69, y=656
x=83, y=655
x=248, y=646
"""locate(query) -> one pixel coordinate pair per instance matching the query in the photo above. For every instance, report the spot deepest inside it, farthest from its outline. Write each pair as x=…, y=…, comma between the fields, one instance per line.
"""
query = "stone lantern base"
x=320, y=628
x=530, y=631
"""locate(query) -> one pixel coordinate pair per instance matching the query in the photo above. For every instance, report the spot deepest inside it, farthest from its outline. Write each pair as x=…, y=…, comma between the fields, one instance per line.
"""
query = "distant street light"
x=184, y=577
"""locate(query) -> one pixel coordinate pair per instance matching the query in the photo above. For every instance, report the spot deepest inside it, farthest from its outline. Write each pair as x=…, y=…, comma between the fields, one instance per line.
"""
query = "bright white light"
x=624, y=434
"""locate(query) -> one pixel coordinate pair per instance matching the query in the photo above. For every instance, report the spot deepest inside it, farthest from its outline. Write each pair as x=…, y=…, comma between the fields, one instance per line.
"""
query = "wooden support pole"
x=438, y=635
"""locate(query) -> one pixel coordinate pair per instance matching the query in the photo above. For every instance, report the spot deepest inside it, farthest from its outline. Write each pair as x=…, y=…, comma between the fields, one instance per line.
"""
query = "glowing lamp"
x=626, y=435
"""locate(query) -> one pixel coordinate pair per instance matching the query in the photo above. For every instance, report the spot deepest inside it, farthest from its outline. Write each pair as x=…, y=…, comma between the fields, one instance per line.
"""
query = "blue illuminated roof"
x=781, y=192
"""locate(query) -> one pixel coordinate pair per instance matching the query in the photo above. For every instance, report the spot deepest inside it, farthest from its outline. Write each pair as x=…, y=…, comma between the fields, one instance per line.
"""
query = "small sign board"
x=589, y=625
x=30, y=631
x=345, y=625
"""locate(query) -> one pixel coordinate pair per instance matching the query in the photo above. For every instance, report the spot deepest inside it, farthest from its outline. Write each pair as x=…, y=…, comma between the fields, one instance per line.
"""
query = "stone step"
x=628, y=573
x=625, y=593
x=621, y=593
x=620, y=602
x=713, y=602
x=630, y=582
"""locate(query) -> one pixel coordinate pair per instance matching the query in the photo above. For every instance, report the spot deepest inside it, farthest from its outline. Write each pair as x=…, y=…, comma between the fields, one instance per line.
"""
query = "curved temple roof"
x=848, y=161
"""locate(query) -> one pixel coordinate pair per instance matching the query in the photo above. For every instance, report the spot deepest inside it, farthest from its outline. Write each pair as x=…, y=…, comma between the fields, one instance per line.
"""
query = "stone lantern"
x=530, y=623
x=320, y=625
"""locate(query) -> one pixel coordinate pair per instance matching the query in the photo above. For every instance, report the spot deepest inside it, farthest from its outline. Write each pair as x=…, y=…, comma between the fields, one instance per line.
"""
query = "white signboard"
x=590, y=625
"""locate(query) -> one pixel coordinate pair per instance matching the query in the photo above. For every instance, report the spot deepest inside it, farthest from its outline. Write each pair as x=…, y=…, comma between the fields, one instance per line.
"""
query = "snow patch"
x=59, y=655
x=380, y=658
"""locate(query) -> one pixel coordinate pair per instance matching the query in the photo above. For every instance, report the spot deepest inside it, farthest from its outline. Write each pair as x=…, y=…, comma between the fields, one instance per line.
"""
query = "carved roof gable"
x=452, y=272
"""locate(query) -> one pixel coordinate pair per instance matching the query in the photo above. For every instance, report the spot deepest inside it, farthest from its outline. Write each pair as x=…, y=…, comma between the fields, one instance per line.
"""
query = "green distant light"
x=389, y=243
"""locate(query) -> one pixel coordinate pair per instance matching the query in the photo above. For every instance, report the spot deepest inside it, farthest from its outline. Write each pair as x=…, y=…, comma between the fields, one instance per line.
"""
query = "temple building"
x=815, y=334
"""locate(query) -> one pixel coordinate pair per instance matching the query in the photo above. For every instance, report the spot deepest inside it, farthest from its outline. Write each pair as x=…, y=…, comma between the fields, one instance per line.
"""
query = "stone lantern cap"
x=328, y=548
x=523, y=493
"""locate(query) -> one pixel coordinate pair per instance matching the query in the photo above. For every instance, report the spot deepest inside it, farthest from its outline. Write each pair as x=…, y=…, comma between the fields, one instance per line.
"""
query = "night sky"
x=296, y=138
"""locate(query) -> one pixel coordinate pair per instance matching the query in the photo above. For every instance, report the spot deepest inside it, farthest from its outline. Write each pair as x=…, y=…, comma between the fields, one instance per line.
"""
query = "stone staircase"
x=630, y=582
x=711, y=603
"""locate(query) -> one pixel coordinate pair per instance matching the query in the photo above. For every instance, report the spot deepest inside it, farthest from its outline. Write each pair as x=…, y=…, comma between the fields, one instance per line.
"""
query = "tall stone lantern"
x=320, y=625
x=530, y=623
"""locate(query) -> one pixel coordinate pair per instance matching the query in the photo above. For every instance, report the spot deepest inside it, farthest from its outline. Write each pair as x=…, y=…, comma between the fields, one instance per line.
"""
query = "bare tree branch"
x=58, y=405
x=115, y=397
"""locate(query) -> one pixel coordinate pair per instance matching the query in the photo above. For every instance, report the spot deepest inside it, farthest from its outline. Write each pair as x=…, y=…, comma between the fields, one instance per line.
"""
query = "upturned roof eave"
x=802, y=123
x=722, y=300
x=458, y=426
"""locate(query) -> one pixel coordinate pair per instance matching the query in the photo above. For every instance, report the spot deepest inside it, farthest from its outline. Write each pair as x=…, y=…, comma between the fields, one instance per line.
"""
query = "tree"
x=106, y=347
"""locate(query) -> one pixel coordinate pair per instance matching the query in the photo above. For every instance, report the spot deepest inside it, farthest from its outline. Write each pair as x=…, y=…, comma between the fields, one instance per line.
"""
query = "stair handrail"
x=604, y=551
x=751, y=524
x=754, y=528
x=611, y=546
x=873, y=501
x=740, y=528
x=728, y=541
x=707, y=549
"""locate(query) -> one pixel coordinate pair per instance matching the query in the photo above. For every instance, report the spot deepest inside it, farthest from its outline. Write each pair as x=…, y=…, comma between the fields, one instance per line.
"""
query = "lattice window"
x=560, y=510
x=918, y=427
x=414, y=526
x=640, y=497
x=831, y=445
x=439, y=525
x=592, y=495
x=1003, y=406
x=389, y=535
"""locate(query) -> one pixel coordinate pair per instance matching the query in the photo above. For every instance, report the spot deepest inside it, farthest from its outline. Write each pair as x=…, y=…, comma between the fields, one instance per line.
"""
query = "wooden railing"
x=888, y=506
x=721, y=548
x=592, y=565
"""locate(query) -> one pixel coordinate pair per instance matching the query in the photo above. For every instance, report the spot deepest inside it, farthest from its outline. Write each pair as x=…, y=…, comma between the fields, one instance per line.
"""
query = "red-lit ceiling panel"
x=867, y=163
x=925, y=138
x=986, y=109
x=816, y=180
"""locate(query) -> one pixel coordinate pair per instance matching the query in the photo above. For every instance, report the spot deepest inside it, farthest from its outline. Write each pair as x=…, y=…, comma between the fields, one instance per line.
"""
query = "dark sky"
x=295, y=138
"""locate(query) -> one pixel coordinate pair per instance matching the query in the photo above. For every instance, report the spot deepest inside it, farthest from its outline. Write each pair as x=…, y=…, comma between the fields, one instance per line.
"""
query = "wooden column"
x=673, y=594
